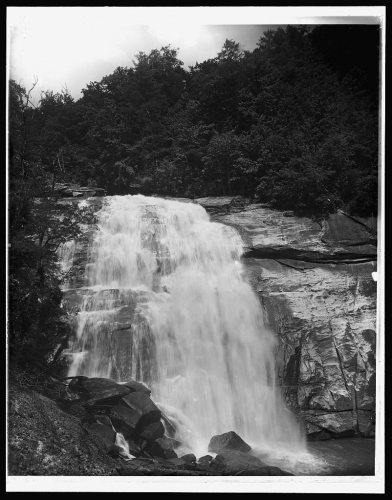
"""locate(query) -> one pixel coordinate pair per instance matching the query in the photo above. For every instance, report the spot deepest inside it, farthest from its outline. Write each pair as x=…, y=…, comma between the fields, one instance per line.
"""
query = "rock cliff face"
x=314, y=281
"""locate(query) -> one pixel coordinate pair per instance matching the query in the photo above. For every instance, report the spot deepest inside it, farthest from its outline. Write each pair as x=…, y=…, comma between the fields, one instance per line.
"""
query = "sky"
x=72, y=46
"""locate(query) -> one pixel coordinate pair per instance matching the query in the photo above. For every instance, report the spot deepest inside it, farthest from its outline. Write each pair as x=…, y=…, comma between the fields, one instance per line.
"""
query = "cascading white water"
x=65, y=254
x=196, y=336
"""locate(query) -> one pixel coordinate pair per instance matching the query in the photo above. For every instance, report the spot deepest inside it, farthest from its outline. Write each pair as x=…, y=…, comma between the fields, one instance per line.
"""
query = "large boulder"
x=228, y=441
x=139, y=402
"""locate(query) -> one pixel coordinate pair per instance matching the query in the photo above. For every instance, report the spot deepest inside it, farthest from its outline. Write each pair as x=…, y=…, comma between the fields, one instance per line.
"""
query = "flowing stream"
x=167, y=304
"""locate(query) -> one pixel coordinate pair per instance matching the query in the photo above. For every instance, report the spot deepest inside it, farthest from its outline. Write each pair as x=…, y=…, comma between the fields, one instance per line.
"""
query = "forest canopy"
x=293, y=123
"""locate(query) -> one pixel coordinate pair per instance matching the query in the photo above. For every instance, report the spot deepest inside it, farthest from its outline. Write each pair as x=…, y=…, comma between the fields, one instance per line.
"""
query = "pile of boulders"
x=127, y=409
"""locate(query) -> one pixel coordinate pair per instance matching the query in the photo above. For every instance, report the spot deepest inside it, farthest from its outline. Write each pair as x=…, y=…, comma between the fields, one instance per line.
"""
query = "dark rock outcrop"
x=228, y=441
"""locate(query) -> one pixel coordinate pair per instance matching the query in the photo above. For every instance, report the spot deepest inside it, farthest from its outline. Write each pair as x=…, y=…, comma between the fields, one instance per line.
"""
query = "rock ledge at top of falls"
x=271, y=233
x=68, y=190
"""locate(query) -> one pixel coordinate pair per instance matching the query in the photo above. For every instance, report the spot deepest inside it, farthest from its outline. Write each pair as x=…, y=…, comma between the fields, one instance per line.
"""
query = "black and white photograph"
x=195, y=249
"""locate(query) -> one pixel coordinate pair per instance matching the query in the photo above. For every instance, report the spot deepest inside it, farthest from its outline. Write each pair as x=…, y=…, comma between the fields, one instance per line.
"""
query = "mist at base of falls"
x=167, y=305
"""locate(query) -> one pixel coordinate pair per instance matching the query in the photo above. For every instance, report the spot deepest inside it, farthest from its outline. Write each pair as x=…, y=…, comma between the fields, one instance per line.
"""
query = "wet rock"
x=139, y=402
x=124, y=420
x=162, y=448
x=137, y=387
x=228, y=441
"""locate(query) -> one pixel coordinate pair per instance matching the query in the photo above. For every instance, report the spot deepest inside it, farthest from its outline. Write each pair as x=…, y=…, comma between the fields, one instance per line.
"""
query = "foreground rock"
x=44, y=440
x=228, y=441
x=64, y=438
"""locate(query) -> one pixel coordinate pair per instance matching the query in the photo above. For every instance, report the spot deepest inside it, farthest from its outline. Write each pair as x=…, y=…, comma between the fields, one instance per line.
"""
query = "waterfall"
x=167, y=304
x=66, y=252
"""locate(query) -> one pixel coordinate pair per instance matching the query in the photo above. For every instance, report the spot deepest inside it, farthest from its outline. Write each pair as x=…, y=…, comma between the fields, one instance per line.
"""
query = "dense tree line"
x=293, y=123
